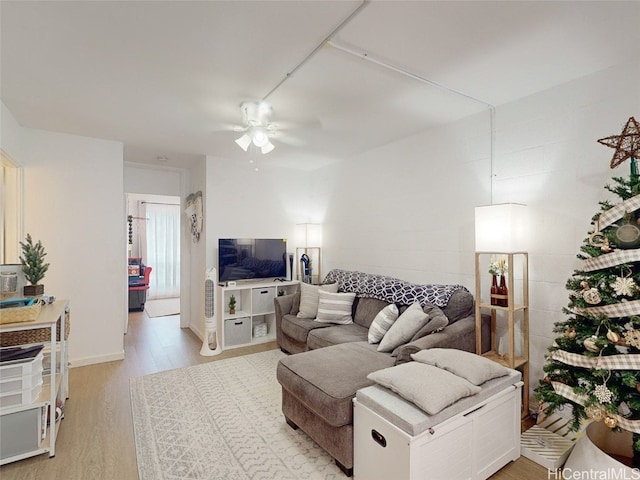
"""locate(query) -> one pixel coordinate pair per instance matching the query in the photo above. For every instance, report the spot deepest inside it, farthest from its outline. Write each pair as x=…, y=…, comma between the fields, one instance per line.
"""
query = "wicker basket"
x=37, y=335
x=20, y=314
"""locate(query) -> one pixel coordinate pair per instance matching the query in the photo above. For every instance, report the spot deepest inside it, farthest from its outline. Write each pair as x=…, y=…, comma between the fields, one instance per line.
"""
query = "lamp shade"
x=309, y=234
x=501, y=228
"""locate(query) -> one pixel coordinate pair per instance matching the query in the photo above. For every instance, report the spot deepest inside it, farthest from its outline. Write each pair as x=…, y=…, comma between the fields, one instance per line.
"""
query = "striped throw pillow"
x=335, y=307
x=383, y=321
x=309, y=299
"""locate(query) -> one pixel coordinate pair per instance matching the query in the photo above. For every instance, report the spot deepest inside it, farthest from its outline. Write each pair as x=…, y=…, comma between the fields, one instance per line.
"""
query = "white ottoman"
x=471, y=439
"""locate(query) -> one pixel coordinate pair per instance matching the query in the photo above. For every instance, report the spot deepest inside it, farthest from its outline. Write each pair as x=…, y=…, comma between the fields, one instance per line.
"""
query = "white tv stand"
x=254, y=313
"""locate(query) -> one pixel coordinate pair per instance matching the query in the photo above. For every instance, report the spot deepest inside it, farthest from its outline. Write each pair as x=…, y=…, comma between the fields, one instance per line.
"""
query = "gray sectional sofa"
x=330, y=362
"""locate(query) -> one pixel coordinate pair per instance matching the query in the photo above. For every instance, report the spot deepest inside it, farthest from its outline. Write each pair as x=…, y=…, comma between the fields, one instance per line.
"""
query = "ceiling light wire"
x=321, y=45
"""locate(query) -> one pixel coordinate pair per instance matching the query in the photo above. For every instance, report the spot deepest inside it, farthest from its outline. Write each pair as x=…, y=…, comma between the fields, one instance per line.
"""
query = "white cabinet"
x=25, y=431
x=253, y=320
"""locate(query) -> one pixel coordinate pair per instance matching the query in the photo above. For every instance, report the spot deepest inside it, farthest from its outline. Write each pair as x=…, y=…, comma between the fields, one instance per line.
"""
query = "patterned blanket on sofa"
x=391, y=289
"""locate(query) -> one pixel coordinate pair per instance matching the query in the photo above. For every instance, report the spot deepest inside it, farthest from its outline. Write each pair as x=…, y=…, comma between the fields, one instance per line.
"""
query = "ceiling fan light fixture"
x=260, y=137
x=267, y=148
x=244, y=141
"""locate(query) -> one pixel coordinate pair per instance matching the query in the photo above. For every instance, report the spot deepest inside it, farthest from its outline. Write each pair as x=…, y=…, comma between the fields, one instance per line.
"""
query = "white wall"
x=151, y=179
x=407, y=209
x=74, y=204
x=243, y=203
x=547, y=157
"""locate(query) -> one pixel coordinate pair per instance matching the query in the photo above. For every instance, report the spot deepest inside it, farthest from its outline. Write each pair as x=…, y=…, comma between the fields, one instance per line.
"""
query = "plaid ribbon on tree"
x=616, y=310
x=611, y=260
x=615, y=213
x=609, y=362
x=567, y=392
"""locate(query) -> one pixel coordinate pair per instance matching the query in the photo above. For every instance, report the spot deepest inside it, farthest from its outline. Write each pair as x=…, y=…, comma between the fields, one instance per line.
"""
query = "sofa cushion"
x=382, y=323
x=309, y=298
x=299, y=328
x=336, y=334
x=312, y=377
x=335, y=307
x=404, y=328
x=460, y=306
x=367, y=309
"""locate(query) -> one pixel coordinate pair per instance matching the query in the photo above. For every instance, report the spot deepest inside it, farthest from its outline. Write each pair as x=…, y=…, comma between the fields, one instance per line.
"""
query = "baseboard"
x=83, y=362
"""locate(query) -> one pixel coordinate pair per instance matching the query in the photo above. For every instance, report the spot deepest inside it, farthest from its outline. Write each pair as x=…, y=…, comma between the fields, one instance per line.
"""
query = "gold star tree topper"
x=627, y=144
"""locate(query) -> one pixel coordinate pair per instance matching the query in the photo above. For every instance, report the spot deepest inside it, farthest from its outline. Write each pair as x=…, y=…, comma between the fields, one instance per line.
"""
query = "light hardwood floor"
x=96, y=435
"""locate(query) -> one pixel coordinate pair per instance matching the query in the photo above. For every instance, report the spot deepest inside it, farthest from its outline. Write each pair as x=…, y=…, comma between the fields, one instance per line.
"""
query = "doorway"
x=153, y=248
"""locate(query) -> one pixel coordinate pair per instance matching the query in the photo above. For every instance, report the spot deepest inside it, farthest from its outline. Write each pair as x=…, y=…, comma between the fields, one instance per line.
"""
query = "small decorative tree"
x=33, y=265
x=232, y=304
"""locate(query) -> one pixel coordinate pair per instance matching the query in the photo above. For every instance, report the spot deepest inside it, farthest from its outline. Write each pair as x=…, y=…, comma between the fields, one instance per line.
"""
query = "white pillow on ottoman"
x=404, y=328
x=309, y=298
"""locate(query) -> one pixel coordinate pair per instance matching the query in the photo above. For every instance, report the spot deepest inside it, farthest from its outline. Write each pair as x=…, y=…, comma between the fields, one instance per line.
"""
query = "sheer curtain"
x=163, y=249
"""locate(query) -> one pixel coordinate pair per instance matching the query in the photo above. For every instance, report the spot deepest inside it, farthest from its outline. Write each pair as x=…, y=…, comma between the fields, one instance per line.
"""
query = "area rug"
x=221, y=420
x=162, y=307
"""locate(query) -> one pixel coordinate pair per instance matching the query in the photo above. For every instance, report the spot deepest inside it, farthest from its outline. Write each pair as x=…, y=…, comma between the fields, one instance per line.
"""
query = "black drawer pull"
x=238, y=323
x=264, y=291
x=379, y=438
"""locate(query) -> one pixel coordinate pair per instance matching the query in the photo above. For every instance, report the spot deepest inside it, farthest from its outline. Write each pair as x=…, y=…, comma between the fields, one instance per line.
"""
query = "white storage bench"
x=471, y=439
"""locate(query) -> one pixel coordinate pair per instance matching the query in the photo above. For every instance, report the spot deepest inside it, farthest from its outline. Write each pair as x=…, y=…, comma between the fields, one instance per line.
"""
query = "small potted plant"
x=232, y=305
x=33, y=266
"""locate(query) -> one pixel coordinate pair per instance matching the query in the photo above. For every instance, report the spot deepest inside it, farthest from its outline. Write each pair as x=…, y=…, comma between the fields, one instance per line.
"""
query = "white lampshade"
x=501, y=228
x=244, y=141
x=267, y=148
x=309, y=234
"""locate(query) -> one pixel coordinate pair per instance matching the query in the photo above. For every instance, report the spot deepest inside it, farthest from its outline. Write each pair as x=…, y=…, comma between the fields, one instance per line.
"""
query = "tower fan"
x=210, y=336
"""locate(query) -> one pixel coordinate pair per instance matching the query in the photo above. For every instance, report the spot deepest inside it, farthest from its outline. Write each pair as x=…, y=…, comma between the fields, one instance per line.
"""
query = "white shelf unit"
x=33, y=416
x=254, y=308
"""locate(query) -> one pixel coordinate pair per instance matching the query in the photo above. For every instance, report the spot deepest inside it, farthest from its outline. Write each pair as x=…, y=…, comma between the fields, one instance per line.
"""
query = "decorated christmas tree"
x=594, y=363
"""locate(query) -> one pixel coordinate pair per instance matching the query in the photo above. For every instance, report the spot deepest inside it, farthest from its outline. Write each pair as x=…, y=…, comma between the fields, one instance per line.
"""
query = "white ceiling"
x=166, y=78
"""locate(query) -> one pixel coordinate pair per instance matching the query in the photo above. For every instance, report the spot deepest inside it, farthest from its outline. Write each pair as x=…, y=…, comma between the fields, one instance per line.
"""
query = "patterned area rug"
x=221, y=420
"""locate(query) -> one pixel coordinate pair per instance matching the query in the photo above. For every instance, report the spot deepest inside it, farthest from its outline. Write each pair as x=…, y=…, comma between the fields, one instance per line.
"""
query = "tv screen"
x=251, y=259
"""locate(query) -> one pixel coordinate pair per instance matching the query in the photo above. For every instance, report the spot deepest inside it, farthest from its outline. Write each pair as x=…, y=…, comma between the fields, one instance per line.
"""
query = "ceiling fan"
x=257, y=128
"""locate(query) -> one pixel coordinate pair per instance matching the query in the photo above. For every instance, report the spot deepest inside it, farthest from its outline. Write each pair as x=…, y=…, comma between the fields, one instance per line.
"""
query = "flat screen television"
x=251, y=258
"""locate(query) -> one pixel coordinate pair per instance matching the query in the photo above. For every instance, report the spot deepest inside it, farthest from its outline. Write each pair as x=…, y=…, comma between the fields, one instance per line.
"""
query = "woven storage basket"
x=20, y=314
x=37, y=335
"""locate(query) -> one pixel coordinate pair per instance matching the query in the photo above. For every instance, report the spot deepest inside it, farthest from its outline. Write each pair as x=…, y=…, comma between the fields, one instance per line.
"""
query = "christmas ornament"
x=624, y=286
x=570, y=333
x=590, y=344
x=612, y=336
x=627, y=144
x=597, y=238
x=595, y=412
x=592, y=296
x=627, y=236
x=632, y=337
x=603, y=394
x=610, y=422
x=624, y=410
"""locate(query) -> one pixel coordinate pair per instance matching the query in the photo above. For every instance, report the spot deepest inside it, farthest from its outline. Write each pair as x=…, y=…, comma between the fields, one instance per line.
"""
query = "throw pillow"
x=475, y=368
x=428, y=387
x=404, y=328
x=335, y=307
x=437, y=320
x=309, y=298
x=382, y=322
